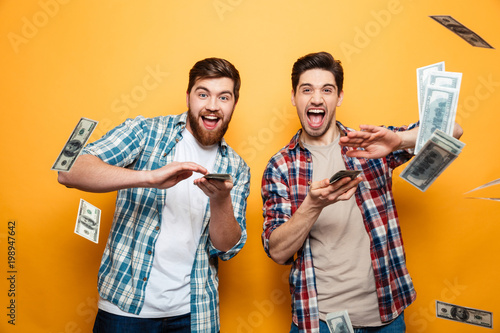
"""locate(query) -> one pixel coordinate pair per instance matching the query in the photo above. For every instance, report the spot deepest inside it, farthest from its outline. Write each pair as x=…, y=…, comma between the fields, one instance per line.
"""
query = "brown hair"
x=211, y=68
x=319, y=60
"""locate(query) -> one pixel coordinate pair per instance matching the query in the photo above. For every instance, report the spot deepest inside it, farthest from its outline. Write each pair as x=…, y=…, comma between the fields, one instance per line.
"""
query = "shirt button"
x=176, y=140
x=309, y=183
x=144, y=279
x=308, y=160
x=149, y=252
x=157, y=228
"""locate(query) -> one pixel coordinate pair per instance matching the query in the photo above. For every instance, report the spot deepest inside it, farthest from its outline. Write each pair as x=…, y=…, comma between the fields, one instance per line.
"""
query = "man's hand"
x=172, y=173
x=322, y=193
x=214, y=189
x=376, y=141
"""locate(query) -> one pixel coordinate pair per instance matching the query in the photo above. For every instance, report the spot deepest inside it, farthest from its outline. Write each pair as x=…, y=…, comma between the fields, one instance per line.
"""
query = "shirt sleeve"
x=277, y=207
x=121, y=145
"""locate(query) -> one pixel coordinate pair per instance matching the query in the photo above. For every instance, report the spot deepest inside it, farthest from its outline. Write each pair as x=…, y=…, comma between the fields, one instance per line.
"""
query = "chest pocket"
x=376, y=173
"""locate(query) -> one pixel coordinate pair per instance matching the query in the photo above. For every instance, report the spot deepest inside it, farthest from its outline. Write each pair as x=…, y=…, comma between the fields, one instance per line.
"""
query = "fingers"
x=214, y=188
x=192, y=167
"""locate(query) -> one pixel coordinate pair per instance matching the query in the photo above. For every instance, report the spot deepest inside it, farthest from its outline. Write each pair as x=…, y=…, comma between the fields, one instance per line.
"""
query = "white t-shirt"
x=168, y=290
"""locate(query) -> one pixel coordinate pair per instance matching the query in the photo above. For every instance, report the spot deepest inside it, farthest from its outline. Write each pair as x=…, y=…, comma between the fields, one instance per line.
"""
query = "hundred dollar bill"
x=492, y=199
x=339, y=322
x=88, y=221
x=438, y=112
x=494, y=182
x=459, y=29
x=436, y=155
x=74, y=145
x=464, y=315
x=218, y=176
x=444, y=79
x=422, y=74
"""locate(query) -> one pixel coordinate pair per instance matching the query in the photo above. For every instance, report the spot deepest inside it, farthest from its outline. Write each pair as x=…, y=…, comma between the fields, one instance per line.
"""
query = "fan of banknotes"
x=436, y=147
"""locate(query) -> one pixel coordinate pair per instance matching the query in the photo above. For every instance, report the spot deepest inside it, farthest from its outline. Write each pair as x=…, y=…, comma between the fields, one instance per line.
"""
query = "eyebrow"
x=325, y=85
x=207, y=90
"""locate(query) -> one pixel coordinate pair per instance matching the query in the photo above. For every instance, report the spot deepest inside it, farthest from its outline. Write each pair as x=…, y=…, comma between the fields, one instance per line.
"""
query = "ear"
x=341, y=98
x=293, y=97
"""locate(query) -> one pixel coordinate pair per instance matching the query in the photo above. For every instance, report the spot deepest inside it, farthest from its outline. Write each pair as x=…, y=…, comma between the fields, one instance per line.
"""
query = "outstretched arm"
x=91, y=174
x=378, y=142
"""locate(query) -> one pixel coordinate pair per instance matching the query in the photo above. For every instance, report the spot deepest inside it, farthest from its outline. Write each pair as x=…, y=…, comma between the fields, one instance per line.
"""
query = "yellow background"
x=65, y=59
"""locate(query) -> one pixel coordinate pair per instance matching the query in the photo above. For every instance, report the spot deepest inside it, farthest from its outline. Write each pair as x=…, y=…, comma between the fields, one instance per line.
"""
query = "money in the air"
x=462, y=31
x=464, y=315
x=422, y=75
x=435, y=156
x=74, y=145
x=88, y=221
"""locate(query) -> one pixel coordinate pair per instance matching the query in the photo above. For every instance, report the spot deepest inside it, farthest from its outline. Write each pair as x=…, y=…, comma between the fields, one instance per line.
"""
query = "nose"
x=213, y=104
x=316, y=98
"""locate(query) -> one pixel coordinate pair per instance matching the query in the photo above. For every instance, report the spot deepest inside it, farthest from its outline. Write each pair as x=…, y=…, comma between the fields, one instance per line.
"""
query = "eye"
x=203, y=95
x=224, y=98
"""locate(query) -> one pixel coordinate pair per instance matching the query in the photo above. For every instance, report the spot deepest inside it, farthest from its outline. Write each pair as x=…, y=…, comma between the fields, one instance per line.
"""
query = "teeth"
x=316, y=111
x=211, y=117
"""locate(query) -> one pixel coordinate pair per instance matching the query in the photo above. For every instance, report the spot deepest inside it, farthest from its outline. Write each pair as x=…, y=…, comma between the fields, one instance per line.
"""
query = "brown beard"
x=206, y=138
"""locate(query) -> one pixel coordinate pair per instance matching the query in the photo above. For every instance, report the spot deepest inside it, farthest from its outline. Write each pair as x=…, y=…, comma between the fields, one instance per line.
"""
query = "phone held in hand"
x=344, y=173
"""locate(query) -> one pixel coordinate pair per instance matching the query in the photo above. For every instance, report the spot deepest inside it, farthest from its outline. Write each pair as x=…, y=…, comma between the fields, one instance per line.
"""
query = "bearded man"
x=159, y=269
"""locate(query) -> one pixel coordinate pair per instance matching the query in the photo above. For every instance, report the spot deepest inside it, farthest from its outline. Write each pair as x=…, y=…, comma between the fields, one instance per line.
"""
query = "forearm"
x=289, y=237
x=408, y=139
x=224, y=229
x=91, y=174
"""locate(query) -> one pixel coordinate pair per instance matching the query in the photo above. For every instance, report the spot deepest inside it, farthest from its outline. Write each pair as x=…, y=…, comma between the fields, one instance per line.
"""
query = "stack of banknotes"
x=436, y=147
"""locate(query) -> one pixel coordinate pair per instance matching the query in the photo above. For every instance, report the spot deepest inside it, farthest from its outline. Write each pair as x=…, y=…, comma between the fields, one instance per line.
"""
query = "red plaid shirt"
x=285, y=185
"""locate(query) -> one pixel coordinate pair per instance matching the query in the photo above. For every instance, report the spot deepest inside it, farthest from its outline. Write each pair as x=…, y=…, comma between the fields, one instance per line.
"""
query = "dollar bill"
x=438, y=112
x=218, y=176
x=74, y=145
x=436, y=155
x=494, y=182
x=492, y=199
x=422, y=74
x=339, y=322
x=462, y=31
x=464, y=315
x=444, y=79
x=88, y=221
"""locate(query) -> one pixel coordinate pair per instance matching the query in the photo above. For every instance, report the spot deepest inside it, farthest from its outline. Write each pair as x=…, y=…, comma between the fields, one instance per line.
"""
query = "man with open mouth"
x=171, y=224
x=342, y=237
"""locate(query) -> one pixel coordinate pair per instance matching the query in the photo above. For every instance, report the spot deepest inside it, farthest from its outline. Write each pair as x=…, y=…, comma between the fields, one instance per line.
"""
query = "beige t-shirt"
x=341, y=250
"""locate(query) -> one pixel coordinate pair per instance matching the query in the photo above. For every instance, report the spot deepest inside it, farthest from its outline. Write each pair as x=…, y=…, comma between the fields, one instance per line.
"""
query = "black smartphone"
x=344, y=173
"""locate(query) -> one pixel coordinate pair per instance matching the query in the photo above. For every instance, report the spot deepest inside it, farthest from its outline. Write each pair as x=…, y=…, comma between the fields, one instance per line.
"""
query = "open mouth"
x=315, y=117
x=210, y=121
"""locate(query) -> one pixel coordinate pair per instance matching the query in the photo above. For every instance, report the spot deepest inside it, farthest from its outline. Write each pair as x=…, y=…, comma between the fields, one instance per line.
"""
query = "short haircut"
x=211, y=68
x=319, y=60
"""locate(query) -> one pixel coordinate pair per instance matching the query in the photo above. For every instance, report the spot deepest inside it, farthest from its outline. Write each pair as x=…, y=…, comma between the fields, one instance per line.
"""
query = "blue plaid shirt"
x=285, y=185
x=148, y=144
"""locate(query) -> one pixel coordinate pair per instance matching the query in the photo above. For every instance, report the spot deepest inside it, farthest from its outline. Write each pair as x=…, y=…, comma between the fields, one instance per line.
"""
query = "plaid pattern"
x=285, y=185
x=148, y=144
